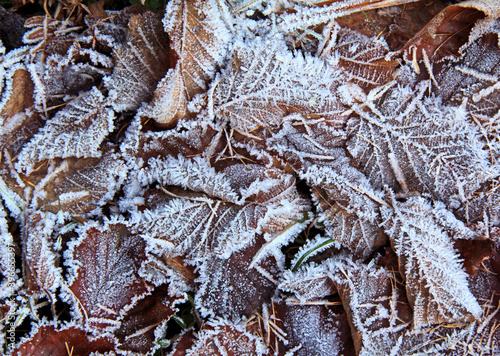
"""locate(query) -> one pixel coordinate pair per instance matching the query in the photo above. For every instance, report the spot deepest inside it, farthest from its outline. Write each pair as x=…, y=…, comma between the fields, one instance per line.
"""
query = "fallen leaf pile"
x=223, y=177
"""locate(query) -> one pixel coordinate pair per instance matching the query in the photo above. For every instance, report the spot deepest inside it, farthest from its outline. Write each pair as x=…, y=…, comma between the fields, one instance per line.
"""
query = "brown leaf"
x=81, y=186
x=21, y=94
x=376, y=307
x=221, y=212
x=230, y=288
x=199, y=36
x=64, y=341
x=138, y=326
x=362, y=58
x=77, y=130
x=104, y=277
x=436, y=284
x=139, y=64
x=446, y=32
x=42, y=274
x=474, y=252
x=314, y=330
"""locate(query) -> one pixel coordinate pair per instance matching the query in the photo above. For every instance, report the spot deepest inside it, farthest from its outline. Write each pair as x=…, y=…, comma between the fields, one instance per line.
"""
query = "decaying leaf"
x=42, y=273
x=231, y=288
x=140, y=63
x=81, y=186
x=247, y=177
x=142, y=324
x=76, y=131
x=221, y=337
x=436, y=283
x=104, y=258
x=312, y=329
x=58, y=341
x=228, y=218
x=267, y=86
x=200, y=34
x=417, y=143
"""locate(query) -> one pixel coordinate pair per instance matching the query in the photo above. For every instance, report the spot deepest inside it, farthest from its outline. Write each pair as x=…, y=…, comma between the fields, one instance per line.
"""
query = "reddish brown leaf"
x=230, y=288
x=474, y=252
x=21, y=95
x=444, y=34
x=80, y=186
x=137, y=331
x=104, y=278
x=62, y=342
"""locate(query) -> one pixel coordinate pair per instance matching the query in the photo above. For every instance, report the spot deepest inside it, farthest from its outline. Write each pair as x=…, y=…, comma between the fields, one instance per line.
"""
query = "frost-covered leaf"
x=313, y=329
x=103, y=277
x=52, y=340
x=362, y=58
x=139, y=64
x=221, y=337
x=308, y=16
x=471, y=81
x=60, y=76
x=230, y=288
x=309, y=283
x=42, y=274
x=17, y=95
x=376, y=308
x=141, y=325
x=483, y=204
x=191, y=139
x=75, y=131
x=200, y=35
x=242, y=201
x=410, y=142
x=349, y=206
x=266, y=83
x=436, y=283
x=81, y=186
x=15, y=132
